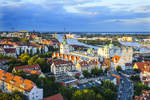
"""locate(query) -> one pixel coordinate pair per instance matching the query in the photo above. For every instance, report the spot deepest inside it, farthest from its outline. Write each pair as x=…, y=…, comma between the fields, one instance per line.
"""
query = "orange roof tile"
x=17, y=81
x=116, y=59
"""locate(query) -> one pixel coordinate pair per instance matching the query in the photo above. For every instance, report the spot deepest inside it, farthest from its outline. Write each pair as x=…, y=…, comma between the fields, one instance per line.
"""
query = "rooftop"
x=16, y=80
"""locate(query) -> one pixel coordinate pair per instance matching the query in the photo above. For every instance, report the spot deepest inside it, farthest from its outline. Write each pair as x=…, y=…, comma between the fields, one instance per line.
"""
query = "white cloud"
x=130, y=21
x=87, y=6
x=133, y=6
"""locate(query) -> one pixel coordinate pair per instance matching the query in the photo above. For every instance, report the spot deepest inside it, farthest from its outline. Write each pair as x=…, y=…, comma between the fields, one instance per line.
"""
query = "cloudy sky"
x=75, y=15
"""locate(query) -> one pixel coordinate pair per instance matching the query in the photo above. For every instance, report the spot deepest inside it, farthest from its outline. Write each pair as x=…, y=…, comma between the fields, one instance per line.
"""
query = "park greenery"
x=138, y=86
x=118, y=68
x=95, y=72
x=26, y=59
x=15, y=95
x=106, y=91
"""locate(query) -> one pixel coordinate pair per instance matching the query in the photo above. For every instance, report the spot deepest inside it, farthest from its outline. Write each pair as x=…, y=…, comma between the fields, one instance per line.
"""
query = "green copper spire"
x=64, y=42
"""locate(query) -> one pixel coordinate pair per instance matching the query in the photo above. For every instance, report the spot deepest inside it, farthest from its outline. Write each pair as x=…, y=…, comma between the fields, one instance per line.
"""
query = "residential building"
x=61, y=66
x=141, y=65
x=68, y=82
x=104, y=52
x=4, y=64
x=8, y=51
x=145, y=71
x=9, y=83
x=126, y=39
x=29, y=72
x=52, y=42
x=86, y=65
x=145, y=95
x=35, y=67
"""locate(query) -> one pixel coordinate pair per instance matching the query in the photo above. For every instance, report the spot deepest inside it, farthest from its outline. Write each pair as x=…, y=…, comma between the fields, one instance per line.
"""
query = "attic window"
x=4, y=77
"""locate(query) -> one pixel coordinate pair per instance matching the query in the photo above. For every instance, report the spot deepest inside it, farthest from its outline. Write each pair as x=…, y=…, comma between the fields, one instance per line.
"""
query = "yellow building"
x=128, y=39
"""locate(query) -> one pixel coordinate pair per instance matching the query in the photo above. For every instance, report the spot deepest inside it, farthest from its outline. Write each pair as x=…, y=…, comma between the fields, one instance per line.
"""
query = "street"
x=126, y=89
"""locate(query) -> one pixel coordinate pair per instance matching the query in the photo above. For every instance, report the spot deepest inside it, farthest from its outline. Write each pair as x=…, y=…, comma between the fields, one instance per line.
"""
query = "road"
x=126, y=89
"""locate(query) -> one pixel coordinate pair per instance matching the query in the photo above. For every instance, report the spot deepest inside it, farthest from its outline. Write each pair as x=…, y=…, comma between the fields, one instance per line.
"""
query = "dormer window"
x=23, y=85
x=4, y=77
x=12, y=81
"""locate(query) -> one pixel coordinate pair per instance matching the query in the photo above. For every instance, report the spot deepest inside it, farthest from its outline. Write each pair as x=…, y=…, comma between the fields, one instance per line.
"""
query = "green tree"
x=85, y=94
x=24, y=58
x=32, y=60
x=138, y=87
x=118, y=68
x=86, y=74
x=135, y=78
x=24, y=40
x=109, y=94
x=97, y=72
x=107, y=84
x=67, y=92
x=16, y=95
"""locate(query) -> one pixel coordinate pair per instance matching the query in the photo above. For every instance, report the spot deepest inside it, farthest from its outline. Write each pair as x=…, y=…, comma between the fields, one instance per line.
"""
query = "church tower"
x=64, y=47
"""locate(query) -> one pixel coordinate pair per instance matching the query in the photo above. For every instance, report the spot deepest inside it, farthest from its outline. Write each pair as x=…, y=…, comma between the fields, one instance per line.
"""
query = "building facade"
x=9, y=83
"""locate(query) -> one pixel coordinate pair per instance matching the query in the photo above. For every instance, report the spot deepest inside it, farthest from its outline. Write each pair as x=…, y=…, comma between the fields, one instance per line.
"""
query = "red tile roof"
x=32, y=71
x=116, y=59
x=55, y=97
x=35, y=67
x=138, y=98
x=141, y=66
x=16, y=80
x=59, y=61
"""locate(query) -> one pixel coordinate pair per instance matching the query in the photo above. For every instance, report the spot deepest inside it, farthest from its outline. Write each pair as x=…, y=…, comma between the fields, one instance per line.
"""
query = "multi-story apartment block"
x=61, y=66
x=86, y=65
x=10, y=82
x=104, y=52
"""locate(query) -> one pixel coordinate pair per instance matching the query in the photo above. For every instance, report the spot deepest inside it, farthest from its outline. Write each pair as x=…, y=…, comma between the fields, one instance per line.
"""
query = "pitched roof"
x=116, y=59
x=16, y=81
x=32, y=71
x=54, y=97
x=141, y=66
x=35, y=67
x=59, y=61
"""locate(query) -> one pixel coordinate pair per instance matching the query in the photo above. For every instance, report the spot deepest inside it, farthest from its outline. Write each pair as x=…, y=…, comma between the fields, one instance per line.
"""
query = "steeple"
x=64, y=42
x=111, y=45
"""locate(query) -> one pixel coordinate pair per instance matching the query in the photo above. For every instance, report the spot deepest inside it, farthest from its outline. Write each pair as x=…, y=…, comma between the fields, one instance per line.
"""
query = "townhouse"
x=35, y=67
x=145, y=71
x=86, y=65
x=145, y=95
x=10, y=82
x=61, y=66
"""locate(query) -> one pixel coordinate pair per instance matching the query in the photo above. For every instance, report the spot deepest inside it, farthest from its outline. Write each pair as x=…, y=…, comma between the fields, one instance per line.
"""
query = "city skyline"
x=75, y=15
